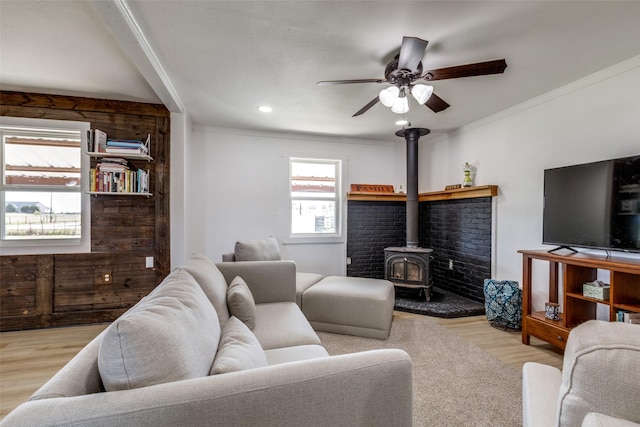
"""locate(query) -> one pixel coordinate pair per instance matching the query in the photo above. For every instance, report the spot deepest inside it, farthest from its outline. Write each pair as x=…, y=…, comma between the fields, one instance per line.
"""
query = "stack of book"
x=97, y=142
x=628, y=317
x=116, y=175
x=128, y=147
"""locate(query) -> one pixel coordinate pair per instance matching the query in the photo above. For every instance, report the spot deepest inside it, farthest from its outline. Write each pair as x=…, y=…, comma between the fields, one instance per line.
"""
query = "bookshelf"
x=577, y=269
x=115, y=175
x=96, y=155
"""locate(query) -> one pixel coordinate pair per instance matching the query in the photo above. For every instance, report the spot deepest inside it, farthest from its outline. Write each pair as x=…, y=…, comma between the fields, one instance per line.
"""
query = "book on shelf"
x=128, y=146
x=116, y=175
x=96, y=141
x=628, y=317
x=126, y=151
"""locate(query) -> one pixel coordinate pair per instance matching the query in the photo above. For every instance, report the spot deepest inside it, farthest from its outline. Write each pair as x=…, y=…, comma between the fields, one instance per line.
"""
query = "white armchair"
x=600, y=375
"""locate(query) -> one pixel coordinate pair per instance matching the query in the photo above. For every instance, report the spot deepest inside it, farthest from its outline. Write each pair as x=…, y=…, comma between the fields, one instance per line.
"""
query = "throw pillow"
x=164, y=339
x=241, y=303
x=211, y=281
x=239, y=349
x=258, y=250
x=503, y=303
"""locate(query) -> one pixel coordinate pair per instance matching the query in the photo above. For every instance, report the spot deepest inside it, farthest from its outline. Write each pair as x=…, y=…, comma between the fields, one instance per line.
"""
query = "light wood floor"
x=29, y=358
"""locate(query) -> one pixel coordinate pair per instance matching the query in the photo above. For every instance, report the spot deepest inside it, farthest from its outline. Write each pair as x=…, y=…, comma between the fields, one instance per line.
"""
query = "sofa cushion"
x=303, y=282
x=282, y=324
x=166, y=338
x=295, y=353
x=257, y=250
x=241, y=303
x=239, y=349
x=212, y=283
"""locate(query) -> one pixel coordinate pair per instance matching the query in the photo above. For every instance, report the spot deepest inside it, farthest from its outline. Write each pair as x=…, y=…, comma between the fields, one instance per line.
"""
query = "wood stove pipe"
x=412, y=136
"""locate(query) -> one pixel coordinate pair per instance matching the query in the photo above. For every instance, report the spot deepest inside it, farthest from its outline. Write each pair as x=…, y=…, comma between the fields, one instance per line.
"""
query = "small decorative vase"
x=467, y=181
x=552, y=310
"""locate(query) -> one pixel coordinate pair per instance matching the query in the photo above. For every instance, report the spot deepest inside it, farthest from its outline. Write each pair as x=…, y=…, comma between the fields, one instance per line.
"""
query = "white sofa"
x=599, y=384
x=182, y=357
x=338, y=304
x=267, y=249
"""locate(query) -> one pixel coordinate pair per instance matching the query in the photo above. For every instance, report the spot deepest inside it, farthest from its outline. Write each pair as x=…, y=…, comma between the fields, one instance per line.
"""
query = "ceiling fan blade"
x=346, y=82
x=411, y=53
x=468, y=70
x=436, y=104
x=364, y=109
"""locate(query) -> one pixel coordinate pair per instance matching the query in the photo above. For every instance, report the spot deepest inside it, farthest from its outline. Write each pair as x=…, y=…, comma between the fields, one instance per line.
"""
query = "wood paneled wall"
x=38, y=291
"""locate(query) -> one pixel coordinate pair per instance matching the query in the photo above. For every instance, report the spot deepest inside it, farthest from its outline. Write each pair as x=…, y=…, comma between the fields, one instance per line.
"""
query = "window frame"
x=44, y=245
x=340, y=165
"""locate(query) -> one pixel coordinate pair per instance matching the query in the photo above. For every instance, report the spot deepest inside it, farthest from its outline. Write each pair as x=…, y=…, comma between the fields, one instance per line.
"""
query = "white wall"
x=595, y=118
x=181, y=128
x=237, y=183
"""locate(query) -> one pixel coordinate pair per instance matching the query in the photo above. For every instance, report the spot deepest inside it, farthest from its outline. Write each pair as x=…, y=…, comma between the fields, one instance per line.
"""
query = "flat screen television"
x=593, y=205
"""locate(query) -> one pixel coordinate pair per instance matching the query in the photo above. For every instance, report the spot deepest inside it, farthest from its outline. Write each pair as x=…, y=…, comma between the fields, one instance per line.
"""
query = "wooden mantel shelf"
x=459, y=193
x=371, y=196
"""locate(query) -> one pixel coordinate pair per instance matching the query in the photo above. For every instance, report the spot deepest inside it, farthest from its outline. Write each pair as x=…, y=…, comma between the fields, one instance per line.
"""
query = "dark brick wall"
x=371, y=227
x=459, y=230
x=455, y=229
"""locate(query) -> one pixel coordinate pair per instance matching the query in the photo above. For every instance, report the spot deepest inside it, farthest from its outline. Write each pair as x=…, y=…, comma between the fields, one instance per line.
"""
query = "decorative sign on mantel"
x=372, y=188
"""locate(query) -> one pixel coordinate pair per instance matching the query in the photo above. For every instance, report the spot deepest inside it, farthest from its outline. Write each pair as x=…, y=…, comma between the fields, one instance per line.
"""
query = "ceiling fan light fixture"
x=389, y=96
x=401, y=105
x=265, y=109
x=421, y=93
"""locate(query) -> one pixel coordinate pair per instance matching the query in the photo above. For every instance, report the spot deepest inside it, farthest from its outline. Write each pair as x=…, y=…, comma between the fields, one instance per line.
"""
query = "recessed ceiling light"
x=403, y=122
x=265, y=109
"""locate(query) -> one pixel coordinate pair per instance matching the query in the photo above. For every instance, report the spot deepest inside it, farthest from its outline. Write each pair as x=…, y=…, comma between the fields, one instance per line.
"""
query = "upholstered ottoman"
x=350, y=305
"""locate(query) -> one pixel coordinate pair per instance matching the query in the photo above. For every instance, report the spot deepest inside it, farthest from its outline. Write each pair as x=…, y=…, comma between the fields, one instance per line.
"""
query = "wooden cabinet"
x=576, y=270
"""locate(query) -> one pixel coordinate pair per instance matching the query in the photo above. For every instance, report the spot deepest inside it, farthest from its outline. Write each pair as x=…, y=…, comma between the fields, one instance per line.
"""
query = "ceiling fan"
x=403, y=72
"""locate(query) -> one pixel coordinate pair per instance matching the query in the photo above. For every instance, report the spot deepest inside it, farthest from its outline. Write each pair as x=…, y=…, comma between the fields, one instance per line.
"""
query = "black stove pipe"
x=412, y=136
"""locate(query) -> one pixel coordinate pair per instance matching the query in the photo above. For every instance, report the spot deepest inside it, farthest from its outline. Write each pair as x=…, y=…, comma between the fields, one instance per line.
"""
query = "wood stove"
x=409, y=268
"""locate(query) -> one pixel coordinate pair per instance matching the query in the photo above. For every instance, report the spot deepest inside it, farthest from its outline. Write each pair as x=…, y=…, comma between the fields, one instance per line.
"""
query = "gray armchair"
x=599, y=383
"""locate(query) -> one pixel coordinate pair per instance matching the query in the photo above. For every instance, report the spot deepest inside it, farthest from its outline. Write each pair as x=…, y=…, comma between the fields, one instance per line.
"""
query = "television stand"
x=569, y=248
x=577, y=269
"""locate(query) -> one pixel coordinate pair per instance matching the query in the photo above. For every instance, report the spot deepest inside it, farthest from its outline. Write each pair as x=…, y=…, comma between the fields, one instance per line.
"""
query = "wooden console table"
x=577, y=269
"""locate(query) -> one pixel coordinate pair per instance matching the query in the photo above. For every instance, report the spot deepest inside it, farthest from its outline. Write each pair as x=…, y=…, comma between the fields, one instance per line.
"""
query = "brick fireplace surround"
x=455, y=228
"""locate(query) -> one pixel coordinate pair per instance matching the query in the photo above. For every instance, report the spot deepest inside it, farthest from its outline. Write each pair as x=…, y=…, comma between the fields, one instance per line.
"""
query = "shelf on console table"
x=458, y=193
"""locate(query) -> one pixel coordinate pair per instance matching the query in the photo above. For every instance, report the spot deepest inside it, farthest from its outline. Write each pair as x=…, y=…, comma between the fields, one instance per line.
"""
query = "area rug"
x=455, y=383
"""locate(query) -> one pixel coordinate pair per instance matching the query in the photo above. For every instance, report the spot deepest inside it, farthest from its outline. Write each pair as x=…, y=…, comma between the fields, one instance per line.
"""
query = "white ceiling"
x=223, y=59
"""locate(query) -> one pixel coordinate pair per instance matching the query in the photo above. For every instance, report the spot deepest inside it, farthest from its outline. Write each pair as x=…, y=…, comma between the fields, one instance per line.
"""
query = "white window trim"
x=339, y=236
x=53, y=246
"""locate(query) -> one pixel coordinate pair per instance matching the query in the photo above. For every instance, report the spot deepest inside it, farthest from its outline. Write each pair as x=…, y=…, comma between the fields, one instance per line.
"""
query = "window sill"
x=312, y=240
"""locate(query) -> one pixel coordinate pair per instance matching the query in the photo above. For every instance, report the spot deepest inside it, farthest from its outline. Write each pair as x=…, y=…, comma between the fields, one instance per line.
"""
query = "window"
x=314, y=194
x=43, y=208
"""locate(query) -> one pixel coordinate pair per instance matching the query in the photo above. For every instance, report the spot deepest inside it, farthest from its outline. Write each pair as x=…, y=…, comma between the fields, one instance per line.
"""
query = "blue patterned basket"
x=503, y=303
